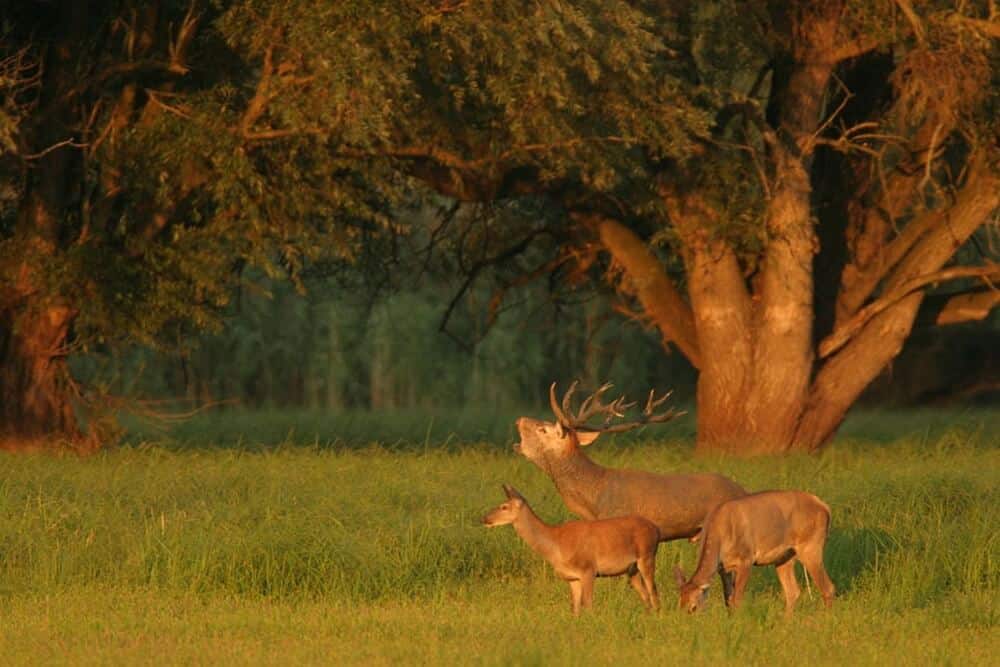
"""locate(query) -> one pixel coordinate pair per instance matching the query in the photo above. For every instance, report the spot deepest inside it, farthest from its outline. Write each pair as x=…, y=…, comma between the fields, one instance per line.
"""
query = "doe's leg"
x=587, y=590
x=786, y=575
x=635, y=580
x=576, y=592
x=647, y=569
x=741, y=575
x=812, y=559
x=727, y=583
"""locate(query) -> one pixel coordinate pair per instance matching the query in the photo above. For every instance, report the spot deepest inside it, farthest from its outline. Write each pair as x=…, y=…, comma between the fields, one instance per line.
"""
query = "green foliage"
x=275, y=142
x=374, y=554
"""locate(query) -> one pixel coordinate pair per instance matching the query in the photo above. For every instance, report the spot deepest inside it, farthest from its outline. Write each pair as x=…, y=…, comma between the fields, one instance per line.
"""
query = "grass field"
x=214, y=545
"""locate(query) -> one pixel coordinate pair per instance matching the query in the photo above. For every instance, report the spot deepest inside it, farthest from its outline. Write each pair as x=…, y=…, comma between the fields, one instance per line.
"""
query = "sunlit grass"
x=183, y=552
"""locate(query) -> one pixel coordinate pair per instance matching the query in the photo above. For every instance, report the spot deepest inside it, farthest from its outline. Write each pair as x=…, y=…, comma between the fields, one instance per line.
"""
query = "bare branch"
x=55, y=146
x=262, y=94
x=853, y=49
x=989, y=27
x=845, y=332
x=154, y=97
x=179, y=45
x=973, y=306
x=810, y=143
x=911, y=16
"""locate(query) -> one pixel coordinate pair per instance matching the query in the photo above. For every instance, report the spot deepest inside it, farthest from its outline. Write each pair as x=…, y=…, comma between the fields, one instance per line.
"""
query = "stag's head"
x=692, y=596
x=542, y=440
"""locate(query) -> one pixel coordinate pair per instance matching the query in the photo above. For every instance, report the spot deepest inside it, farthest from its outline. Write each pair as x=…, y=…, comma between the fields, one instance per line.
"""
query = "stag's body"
x=580, y=551
x=676, y=504
x=766, y=528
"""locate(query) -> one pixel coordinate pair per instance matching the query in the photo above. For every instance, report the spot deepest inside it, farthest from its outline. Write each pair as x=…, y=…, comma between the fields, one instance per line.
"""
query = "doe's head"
x=508, y=511
x=692, y=596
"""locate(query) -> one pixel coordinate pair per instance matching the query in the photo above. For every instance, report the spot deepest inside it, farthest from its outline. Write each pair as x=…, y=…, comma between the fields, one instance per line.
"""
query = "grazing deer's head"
x=692, y=596
x=508, y=511
x=541, y=439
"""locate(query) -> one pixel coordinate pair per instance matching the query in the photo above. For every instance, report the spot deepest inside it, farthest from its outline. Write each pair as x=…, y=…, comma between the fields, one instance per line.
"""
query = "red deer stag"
x=579, y=551
x=676, y=504
x=766, y=528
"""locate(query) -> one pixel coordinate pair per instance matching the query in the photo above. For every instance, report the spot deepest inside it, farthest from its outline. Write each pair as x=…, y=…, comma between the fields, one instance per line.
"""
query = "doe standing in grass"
x=766, y=528
x=579, y=551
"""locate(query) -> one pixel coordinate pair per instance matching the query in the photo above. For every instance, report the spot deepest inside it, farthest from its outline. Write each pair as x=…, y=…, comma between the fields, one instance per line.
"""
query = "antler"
x=593, y=406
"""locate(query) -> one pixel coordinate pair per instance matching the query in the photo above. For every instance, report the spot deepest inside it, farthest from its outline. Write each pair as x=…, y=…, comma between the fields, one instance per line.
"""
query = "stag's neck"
x=708, y=558
x=579, y=481
x=536, y=534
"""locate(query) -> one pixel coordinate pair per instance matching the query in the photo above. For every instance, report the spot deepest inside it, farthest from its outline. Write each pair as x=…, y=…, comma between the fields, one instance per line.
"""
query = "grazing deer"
x=676, y=504
x=579, y=551
x=767, y=528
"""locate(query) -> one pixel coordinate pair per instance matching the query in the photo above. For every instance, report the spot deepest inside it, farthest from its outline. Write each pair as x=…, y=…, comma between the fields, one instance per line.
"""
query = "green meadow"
x=309, y=539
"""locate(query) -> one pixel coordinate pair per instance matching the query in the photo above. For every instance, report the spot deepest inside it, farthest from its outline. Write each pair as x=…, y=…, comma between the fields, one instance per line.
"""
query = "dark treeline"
x=330, y=350
x=327, y=349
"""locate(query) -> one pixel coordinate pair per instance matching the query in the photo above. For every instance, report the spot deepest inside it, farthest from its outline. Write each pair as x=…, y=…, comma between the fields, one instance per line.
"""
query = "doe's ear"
x=511, y=492
x=586, y=437
x=679, y=576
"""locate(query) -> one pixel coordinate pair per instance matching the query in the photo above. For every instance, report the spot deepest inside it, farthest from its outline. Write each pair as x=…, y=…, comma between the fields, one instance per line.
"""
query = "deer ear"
x=511, y=492
x=679, y=576
x=586, y=437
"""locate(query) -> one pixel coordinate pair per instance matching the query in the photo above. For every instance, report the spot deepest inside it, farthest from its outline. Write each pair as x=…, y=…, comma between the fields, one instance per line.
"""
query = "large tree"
x=774, y=186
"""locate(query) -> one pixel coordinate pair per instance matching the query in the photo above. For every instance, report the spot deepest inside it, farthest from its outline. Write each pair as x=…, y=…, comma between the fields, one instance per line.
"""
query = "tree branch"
x=911, y=16
x=845, y=332
x=853, y=49
x=990, y=28
x=970, y=306
x=650, y=284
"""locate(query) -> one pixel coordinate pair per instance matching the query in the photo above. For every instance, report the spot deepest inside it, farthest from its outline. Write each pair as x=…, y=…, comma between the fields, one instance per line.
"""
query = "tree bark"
x=722, y=311
x=37, y=409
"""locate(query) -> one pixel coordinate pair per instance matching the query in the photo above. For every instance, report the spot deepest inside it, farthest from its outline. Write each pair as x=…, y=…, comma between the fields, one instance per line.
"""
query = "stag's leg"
x=741, y=573
x=786, y=575
x=647, y=568
x=727, y=583
x=812, y=559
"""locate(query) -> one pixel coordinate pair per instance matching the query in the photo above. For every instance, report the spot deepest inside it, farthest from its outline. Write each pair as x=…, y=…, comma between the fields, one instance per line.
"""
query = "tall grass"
x=375, y=554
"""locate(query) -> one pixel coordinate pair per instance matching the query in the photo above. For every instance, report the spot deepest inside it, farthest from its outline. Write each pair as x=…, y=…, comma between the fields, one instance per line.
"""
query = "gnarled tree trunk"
x=36, y=410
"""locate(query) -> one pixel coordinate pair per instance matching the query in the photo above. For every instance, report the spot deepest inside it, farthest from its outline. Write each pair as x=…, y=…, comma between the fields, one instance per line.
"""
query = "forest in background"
x=329, y=349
